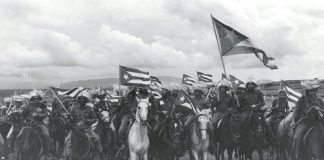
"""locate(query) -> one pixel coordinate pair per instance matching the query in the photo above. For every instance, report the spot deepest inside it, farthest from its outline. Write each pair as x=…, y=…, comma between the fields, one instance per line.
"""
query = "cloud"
x=51, y=42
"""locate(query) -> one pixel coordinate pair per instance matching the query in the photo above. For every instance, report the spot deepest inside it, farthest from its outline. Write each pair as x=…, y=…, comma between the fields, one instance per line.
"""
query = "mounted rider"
x=83, y=117
x=251, y=101
x=225, y=102
x=127, y=109
x=303, y=122
x=102, y=104
x=279, y=109
x=16, y=118
x=35, y=114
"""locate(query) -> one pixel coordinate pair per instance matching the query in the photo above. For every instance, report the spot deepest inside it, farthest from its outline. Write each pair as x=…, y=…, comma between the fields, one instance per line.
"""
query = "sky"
x=49, y=42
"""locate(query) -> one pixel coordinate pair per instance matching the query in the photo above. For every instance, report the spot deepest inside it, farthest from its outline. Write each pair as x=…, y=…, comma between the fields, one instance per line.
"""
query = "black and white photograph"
x=161, y=80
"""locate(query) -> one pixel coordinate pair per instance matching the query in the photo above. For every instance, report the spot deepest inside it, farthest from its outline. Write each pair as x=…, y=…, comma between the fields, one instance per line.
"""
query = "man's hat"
x=17, y=98
x=225, y=83
x=84, y=94
x=34, y=94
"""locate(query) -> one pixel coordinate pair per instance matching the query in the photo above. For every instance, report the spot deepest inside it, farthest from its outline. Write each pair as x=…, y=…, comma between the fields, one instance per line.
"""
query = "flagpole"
x=59, y=100
x=218, y=44
x=119, y=82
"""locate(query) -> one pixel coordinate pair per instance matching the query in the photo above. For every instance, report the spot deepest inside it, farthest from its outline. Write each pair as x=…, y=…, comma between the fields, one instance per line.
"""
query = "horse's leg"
x=195, y=155
x=222, y=152
x=132, y=155
x=260, y=154
x=230, y=152
x=205, y=156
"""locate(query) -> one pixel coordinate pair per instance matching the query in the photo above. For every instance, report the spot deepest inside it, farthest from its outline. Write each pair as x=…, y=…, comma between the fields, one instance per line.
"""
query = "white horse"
x=138, y=140
x=199, y=135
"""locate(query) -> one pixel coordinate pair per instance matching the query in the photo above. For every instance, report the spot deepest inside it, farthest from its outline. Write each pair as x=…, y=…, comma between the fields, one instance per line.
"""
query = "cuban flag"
x=188, y=80
x=133, y=77
x=204, y=77
x=184, y=101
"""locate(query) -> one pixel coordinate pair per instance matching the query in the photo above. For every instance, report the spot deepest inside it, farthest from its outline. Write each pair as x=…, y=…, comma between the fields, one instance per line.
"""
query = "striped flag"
x=233, y=42
x=156, y=82
x=185, y=102
x=133, y=77
x=235, y=81
x=72, y=92
x=292, y=94
x=204, y=77
x=188, y=80
x=113, y=99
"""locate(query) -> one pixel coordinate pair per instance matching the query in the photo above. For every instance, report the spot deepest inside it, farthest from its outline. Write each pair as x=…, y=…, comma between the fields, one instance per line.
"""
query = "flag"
x=292, y=94
x=72, y=92
x=235, y=81
x=113, y=99
x=58, y=91
x=188, y=80
x=204, y=77
x=233, y=42
x=133, y=77
x=67, y=149
x=155, y=82
x=186, y=102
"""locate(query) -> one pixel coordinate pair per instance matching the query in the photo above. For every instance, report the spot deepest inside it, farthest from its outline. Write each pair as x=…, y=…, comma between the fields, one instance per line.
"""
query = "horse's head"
x=258, y=124
x=142, y=111
x=235, y=124
x=176, y=130
x=203, y=119
x=105, y=117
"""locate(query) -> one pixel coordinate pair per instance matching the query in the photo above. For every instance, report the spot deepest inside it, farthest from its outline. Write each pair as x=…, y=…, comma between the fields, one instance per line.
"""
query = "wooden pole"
x=218, y=44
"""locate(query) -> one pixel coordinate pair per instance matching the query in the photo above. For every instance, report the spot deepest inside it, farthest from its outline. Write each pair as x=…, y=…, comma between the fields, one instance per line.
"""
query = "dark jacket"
x=83, y=116
x=247, y=99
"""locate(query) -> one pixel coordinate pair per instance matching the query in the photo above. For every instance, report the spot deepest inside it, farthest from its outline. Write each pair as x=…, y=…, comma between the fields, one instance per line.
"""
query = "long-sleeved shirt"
x=83, y=116
x=249, y=98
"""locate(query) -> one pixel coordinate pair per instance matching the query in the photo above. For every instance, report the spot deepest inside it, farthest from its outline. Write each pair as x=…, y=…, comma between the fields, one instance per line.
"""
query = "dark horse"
x=311, y=145
x=171, y=139
x=255, y=136
x=228, y=135
x=82, y=147
x=58, y=130
x=29, y=145
x=107, y=134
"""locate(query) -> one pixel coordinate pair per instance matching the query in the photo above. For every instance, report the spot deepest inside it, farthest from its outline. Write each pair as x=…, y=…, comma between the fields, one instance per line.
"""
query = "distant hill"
x=167, y=81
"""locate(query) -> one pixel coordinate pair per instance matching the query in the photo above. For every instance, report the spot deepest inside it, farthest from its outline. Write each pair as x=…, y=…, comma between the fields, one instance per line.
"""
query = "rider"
x=15, y=117
x=126, y=109
x=225, y=103
x=83, y=117
x=35, y=113
x=252, y=100
x=279, y=109
x=102, y=104
x=301, y=124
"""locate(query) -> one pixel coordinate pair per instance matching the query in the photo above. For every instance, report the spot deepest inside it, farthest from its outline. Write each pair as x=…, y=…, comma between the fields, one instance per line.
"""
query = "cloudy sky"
x=49, y=42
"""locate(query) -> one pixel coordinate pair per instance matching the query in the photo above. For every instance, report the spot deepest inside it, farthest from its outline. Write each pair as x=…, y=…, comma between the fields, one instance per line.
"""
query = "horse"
x=138, y=140
x=58, y=130
x=199, y=134
x=228, y=135
x=255, y=136
x=313, y=137
x=171, y=138
x=29, y=145
x=283, y=139
x=107, y=134
x=82, y=148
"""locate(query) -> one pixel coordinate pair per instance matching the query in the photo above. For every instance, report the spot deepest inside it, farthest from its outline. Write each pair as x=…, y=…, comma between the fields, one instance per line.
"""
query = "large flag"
x=133, y=77
x=188, y=80
x=155, y=82
x=204, y=77
x=235, y=81
x=292, y=94
x=233, y=42
x=72, y=92
x=186, y=102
